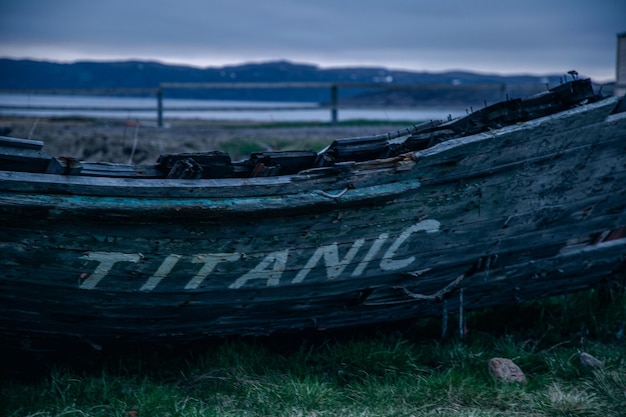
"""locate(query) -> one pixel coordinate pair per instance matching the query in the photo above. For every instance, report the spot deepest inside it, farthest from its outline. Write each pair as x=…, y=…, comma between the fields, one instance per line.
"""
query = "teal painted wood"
x=512, y=214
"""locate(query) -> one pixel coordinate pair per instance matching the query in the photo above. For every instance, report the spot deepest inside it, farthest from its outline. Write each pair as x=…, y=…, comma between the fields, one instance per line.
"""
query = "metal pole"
x=160, y=106
x=334, y=100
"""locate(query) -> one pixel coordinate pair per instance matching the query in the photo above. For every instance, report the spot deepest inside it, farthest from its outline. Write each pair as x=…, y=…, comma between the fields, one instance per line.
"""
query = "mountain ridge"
x=28, y=74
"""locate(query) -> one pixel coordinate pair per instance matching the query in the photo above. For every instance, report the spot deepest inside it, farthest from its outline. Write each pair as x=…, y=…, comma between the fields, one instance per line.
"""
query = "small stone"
x=590, y=362
x=506, y=370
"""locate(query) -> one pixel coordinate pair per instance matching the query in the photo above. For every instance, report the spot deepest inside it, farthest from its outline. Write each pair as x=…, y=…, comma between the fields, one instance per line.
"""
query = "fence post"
x=334, y=101
x=160, y=106
x=503, y=92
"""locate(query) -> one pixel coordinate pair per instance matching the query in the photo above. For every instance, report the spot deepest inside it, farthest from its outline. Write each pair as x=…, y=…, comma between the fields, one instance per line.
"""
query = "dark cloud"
x=486, y=35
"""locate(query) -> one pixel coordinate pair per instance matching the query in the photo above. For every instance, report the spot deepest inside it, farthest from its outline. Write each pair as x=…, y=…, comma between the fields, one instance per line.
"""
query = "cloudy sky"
x=499, y=36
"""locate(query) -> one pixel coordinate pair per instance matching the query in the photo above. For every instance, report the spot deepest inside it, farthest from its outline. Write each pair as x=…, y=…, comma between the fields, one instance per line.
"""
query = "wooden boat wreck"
x=520, y=200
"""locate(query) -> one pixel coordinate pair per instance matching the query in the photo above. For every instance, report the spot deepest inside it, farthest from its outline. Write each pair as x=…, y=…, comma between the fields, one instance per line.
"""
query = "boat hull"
x=500, y=217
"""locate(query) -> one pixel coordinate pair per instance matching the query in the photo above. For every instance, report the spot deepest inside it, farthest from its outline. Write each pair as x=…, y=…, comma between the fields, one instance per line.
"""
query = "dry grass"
x=113, y=140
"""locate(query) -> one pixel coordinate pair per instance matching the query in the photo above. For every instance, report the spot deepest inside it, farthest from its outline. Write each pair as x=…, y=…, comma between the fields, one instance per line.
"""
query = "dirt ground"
x=124, y=141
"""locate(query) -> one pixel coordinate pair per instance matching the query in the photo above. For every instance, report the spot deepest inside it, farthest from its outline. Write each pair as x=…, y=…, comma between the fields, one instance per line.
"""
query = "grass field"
x=404, y=370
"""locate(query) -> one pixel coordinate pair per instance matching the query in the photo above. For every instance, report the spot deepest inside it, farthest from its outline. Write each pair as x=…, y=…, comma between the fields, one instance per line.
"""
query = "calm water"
x=145, y=108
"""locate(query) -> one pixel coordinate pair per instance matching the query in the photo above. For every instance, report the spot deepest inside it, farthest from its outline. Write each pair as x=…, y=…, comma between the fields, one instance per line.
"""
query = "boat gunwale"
x=331, y=179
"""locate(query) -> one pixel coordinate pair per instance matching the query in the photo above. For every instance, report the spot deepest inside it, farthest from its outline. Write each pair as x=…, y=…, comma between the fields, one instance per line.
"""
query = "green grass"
x=406, y=370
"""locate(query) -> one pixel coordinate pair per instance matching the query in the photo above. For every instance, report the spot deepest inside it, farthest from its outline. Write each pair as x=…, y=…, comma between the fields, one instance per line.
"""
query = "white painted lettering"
x=277, y=261
x=330, y=254
x=271, y=268
x=378, y=243
x=106, y=261
x=210, y=260
x=388, y=263
x=165, y=268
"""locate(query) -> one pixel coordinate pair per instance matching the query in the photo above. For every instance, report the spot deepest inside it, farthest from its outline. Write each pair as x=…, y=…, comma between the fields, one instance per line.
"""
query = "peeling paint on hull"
x=511, y=214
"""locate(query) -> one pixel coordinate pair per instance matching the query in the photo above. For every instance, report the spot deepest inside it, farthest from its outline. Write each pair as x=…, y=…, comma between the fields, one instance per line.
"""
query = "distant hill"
x=29, y=74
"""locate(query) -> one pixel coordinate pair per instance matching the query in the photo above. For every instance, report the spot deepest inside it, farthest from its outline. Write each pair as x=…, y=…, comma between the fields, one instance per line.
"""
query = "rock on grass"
x=505, y=370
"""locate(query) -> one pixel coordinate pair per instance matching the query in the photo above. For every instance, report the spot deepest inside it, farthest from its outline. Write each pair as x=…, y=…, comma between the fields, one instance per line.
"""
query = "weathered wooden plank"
x=19, y=159
x=312, y=312
x=9, y=142
x=103, y=169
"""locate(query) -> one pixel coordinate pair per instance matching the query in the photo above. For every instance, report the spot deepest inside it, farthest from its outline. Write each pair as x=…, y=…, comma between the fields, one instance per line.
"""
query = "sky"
x=487, y=36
